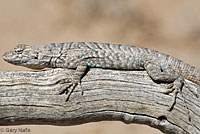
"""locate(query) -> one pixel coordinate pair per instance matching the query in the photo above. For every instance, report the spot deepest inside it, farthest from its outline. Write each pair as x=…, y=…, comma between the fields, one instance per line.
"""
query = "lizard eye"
x=18, y=51
x=20, y=48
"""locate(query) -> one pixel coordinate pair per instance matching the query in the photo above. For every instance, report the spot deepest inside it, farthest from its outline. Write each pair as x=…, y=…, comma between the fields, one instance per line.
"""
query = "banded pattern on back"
x=116, y=56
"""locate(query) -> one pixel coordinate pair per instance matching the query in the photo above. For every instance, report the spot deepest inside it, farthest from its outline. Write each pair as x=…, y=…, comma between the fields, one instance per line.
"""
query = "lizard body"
x=81, y=55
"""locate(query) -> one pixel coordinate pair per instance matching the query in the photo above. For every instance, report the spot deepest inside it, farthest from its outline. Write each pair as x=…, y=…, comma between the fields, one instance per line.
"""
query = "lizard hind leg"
x=166, y=75
x=157, y=73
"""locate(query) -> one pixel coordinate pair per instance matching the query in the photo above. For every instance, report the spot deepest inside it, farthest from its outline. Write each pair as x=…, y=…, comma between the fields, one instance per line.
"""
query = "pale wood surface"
x=30, y=97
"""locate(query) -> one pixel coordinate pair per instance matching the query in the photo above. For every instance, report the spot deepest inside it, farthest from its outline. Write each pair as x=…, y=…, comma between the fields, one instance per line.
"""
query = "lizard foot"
x=69, y=86
x=74, y=80
x=175, y=88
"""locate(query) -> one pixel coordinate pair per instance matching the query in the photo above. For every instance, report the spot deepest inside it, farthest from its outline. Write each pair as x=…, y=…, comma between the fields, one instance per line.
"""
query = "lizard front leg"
x=75, y=80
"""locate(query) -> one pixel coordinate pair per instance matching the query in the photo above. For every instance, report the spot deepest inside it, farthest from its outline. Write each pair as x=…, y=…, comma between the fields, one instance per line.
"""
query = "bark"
x=32, y=97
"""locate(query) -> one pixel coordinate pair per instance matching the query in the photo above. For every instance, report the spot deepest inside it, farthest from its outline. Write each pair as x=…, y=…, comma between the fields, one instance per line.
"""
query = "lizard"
x=83, y=55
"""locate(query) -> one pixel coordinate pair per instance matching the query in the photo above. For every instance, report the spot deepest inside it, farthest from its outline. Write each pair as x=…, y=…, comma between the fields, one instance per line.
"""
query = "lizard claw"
x=63, y=89
x=71, y=90
x=170, y=86
x=168, y=89
x=175, y=92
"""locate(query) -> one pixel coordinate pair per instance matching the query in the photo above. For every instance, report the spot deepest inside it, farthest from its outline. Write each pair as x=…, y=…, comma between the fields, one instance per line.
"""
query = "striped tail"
x=187, y=71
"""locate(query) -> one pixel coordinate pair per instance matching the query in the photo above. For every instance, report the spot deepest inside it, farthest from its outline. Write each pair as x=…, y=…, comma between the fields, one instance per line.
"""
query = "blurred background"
x=172, y=27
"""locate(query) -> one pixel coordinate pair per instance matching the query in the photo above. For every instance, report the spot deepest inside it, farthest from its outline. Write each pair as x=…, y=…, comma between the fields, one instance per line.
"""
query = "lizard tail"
x=187, y=71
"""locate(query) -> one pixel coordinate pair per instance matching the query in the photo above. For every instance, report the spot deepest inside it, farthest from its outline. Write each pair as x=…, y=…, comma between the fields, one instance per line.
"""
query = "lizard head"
x=25, y=55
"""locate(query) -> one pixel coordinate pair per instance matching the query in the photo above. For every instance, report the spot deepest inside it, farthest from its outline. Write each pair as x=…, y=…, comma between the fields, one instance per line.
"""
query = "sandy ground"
x=170, y=26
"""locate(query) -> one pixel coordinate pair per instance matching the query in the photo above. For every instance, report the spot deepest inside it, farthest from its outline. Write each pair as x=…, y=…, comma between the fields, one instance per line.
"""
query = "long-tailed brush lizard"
x=81, y=55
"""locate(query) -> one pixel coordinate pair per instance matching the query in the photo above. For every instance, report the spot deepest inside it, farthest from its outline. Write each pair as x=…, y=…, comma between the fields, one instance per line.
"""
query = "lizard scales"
x=81, y=55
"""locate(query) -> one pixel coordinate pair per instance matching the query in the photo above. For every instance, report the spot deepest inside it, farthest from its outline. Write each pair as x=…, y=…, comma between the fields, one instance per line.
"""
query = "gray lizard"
x=81, y=55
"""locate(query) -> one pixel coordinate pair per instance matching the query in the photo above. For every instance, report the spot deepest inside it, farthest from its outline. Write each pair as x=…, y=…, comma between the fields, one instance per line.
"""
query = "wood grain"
x=31, y=97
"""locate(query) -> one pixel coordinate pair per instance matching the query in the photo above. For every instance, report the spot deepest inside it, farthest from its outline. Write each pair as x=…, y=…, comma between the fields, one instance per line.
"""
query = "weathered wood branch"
x=29, y=97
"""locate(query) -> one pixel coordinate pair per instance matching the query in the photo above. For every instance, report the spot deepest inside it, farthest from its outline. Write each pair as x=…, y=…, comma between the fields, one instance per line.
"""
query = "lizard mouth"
x=35, y=68
x=14, y=62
